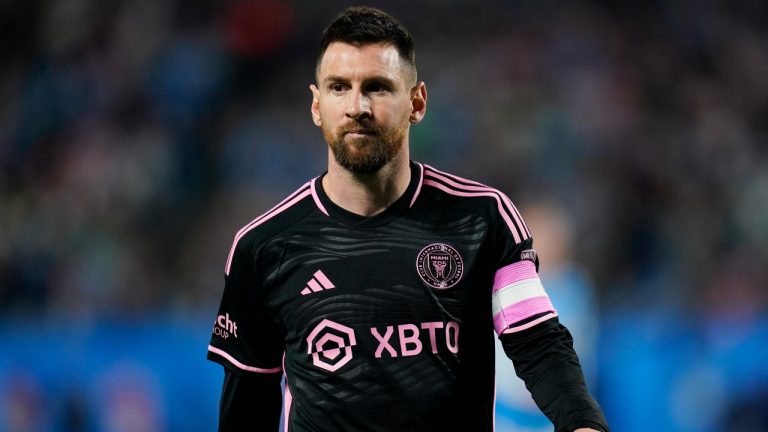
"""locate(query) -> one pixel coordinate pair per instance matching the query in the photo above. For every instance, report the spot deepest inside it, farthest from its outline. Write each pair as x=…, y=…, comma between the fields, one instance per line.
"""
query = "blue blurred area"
x=137, y=137
x=68, y=376
x=657, y=373
x=675, y=373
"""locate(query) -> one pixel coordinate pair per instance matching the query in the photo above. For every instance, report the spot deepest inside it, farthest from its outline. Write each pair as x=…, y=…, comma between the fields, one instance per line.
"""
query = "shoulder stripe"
x=418, y=187
x=466, y=183
x=239, y=365
x=518, y=228
x=292, y=199
x=444, y=188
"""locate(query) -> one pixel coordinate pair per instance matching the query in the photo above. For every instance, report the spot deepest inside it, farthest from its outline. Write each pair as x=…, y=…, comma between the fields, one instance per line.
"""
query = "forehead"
x=350, y=61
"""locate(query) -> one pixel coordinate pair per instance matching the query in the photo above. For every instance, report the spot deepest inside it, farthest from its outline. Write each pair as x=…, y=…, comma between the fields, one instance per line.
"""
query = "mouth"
x=359, y=133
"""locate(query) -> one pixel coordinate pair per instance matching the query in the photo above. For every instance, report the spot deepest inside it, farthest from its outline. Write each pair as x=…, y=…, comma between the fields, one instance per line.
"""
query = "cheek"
x=323, y=116
x=395, y=113
x=329, y=111
x=404, y=112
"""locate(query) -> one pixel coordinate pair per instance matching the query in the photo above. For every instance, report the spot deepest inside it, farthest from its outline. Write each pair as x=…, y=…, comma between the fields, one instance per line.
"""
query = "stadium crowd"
x=137, y=137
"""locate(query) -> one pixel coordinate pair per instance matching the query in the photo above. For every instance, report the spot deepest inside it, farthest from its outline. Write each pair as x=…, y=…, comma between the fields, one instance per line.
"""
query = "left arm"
x=544, y=359
x=525, y=319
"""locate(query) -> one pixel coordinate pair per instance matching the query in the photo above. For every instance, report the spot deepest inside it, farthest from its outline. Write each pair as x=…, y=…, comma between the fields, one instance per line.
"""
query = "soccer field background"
x=137, y=137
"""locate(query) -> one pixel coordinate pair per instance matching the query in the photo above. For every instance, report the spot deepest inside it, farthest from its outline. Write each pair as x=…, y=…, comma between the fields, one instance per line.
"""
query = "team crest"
x=440, y=266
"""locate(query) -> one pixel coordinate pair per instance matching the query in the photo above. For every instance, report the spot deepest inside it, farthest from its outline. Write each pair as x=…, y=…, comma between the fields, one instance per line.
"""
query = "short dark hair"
x=362, y=25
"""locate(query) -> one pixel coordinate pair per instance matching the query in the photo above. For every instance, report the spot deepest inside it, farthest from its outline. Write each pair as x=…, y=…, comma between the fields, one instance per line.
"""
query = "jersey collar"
x=394, y=211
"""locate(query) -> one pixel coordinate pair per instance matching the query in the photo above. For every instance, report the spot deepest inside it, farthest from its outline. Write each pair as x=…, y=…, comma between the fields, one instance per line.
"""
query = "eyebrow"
x=375, y=78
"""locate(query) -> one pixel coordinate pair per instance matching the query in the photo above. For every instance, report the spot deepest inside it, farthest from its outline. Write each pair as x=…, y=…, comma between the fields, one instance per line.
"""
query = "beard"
x=366, y=154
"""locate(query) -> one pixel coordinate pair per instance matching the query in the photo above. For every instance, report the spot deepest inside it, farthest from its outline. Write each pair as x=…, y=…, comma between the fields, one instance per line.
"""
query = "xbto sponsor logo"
x=330, y=344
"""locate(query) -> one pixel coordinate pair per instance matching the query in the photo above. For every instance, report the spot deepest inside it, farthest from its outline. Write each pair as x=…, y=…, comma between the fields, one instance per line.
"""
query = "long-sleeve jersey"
x=385, y=323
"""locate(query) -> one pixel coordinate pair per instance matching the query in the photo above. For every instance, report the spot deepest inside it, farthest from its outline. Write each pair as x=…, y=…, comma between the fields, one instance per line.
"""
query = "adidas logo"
x=318, y=283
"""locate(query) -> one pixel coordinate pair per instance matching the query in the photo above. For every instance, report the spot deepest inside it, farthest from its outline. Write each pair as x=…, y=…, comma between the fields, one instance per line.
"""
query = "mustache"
x=359, y=126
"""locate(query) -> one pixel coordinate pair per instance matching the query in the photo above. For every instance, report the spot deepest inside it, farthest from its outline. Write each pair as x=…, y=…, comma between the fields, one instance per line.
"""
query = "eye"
x=377, y=87
x=337, y=87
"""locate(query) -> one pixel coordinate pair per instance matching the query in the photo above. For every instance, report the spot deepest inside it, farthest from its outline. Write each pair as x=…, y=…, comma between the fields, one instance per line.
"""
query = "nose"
x=359, y=105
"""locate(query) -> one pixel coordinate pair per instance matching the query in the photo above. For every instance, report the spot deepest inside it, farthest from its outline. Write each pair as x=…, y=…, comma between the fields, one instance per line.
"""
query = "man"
x=374, y=287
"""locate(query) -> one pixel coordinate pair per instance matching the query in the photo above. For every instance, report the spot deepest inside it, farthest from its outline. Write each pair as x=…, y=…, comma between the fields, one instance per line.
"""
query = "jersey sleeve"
x=540, y=348
x=250, y=402
x=244, y=338
x=519, y=299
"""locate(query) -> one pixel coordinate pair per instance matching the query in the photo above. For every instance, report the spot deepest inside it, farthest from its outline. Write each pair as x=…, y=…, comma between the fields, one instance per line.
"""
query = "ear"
x=315, y=108
x=418, y=103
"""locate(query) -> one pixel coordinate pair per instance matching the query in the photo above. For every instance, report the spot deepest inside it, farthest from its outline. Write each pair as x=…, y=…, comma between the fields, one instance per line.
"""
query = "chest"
x=376, y=271
x=418, y=282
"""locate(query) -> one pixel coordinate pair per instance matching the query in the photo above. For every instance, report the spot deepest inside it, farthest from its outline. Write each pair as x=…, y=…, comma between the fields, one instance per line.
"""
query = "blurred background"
x=136, y=137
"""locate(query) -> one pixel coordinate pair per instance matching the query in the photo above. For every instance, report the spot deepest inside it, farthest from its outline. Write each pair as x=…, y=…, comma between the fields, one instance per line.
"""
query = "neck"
x=367, y=194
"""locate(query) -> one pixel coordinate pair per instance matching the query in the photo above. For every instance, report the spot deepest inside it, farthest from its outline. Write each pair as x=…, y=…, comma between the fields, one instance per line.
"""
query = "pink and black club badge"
x=440, y=265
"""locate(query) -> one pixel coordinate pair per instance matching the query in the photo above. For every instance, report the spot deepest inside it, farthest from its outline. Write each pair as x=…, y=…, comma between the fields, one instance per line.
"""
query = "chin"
x=363, y=167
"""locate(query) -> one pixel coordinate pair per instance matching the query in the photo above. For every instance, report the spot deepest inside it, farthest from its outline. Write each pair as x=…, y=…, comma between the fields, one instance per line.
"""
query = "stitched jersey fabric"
x=381, y=323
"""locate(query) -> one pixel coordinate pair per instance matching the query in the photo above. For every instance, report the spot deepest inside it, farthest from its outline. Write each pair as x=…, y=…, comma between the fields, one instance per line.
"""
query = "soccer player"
x=374, y=288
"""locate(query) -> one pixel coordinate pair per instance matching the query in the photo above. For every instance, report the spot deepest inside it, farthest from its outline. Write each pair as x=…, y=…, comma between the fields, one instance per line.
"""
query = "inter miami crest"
x=440, y=265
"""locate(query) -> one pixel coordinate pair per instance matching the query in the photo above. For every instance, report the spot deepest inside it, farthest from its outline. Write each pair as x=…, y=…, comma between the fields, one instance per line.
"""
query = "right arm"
x=248, y=343
x=250, y=402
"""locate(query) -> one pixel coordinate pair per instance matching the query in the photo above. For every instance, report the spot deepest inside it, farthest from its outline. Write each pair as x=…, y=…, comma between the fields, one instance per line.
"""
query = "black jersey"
x=381, y=323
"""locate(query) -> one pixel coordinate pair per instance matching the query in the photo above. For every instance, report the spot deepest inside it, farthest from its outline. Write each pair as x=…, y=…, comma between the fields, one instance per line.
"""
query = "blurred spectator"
x=23, y=404
x=130, y=401
x=748, y=413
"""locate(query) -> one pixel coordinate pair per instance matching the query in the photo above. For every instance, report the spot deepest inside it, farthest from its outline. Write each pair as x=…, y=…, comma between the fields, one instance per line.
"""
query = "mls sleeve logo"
x=528, y=254
x=440, y=265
